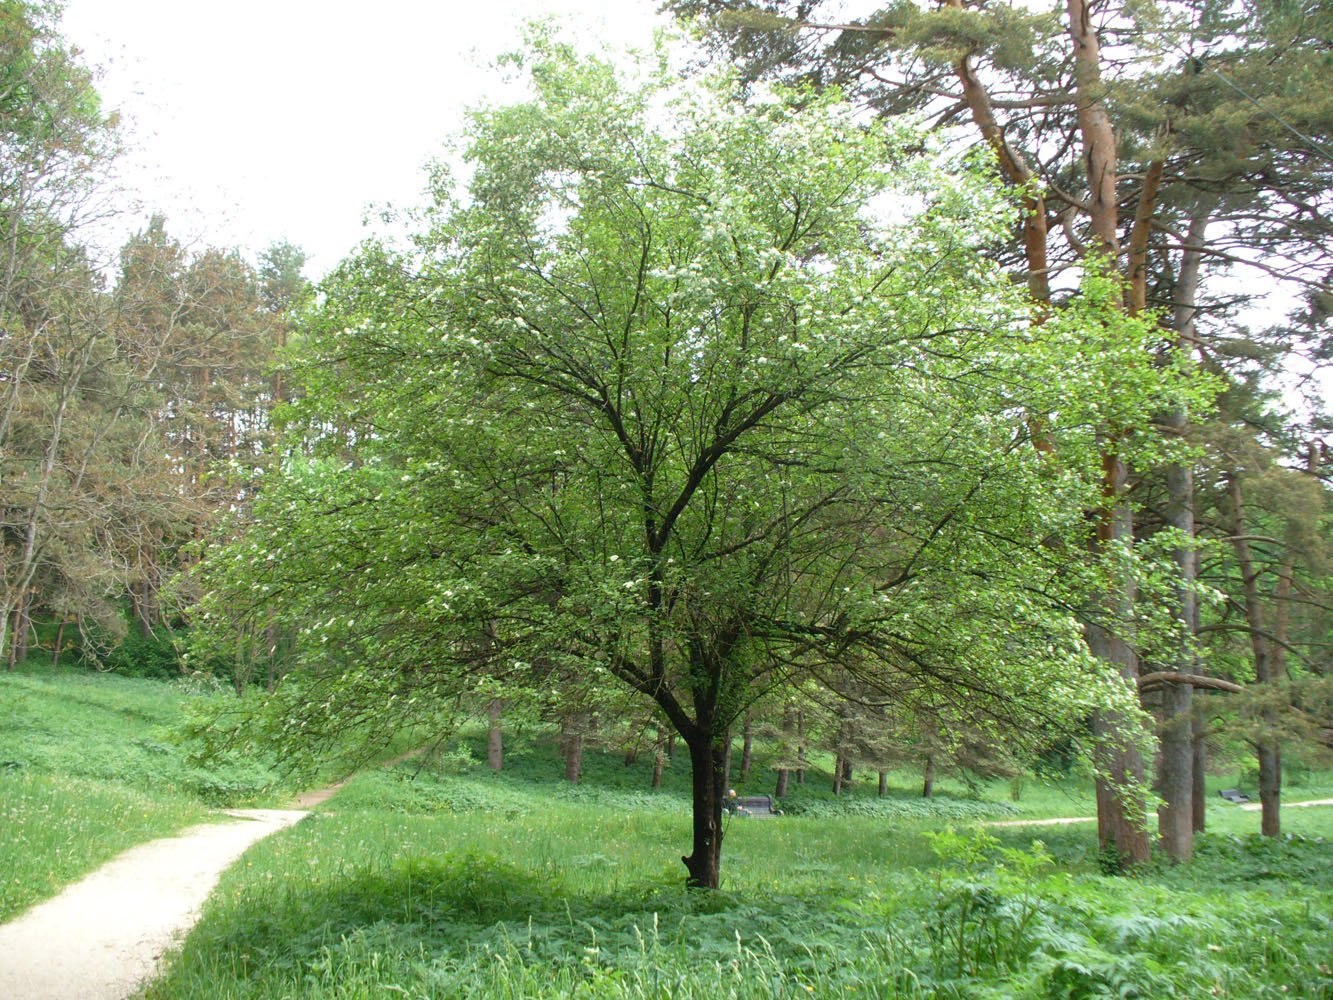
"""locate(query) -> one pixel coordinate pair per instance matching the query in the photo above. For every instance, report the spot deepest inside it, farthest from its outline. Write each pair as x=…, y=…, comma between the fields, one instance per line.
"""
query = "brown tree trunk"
x=22, y=631
x=726, y=761
x=704, y=865
x=571, y=744
x=788, y=731
x=1121, y=823
x=1200, y=799
x=1094, y=123
x=659, y=758
x=58, y=646
x=883, y=783
x=495, y=754
x=747, y=749
x=1177, y=816
x=800, y=746
x=928, y=781
x=1266, y=742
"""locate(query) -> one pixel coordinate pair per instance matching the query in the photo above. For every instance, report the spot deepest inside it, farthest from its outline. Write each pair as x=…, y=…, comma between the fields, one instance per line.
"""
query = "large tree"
x=1179, y=137
x=698, y=398
x=59, y=384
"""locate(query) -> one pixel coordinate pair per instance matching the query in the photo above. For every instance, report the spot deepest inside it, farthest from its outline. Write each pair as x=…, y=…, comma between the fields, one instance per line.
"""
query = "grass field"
x=88, y=768
x=429, y=883
x=440, y=879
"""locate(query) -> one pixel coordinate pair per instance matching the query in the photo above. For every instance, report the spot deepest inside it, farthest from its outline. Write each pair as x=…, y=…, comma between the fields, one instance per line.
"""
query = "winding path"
x=103, y=937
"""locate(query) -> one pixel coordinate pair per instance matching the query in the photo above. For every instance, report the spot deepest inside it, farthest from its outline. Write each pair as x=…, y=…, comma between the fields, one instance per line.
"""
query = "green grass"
x=115, y=729
x=450, y=882
x=88, y=768
x=59, y=827
x=440, y=879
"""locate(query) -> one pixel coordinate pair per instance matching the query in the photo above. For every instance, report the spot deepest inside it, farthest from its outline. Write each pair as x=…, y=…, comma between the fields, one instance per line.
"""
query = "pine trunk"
x=747, y=749
x=659, y=759
x=572, y=746
x=495, y=738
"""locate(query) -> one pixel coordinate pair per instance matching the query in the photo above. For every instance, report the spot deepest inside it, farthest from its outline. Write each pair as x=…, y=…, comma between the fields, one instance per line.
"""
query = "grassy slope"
x=455, y=882
x=448, y=881
x=87, y=769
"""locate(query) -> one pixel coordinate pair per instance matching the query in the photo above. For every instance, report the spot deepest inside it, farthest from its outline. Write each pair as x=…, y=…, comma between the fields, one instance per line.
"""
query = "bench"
x=1234, y=795
x=751, y=805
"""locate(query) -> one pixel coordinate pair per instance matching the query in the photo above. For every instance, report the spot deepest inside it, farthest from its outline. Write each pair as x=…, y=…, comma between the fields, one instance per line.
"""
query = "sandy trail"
x=102, y=938
x=1066, y=820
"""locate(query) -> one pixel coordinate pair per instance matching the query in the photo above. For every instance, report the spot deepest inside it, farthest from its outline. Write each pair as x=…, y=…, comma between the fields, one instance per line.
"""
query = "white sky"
x=255, y=121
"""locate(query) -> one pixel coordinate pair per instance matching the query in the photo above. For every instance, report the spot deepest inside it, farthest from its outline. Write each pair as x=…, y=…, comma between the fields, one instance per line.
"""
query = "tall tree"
x=55, y=366
x=675, y=406
x=1192, y=144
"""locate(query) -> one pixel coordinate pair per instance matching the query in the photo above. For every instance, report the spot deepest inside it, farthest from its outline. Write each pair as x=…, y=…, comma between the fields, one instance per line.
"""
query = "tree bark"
x=800, y=746
x=572, y=746
x=1177, y=816
x=1121, y=826
x=1266, y=743
x=659, y=758
x=788, y=743
x=928, y=781
x=747, y=749
x=726, y=761
x=495, y=738
x=58, y=646
x=707, y=758
x=883, y=783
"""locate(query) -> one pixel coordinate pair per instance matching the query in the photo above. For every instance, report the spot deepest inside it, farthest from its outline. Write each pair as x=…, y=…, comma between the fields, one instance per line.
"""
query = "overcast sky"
x=259, y=120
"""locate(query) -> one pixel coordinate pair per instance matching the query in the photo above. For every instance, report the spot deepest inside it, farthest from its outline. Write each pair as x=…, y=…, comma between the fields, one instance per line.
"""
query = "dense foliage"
x=716, y=400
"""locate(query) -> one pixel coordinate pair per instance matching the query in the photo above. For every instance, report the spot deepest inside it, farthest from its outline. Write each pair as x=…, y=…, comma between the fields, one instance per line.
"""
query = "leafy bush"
x=152, y=656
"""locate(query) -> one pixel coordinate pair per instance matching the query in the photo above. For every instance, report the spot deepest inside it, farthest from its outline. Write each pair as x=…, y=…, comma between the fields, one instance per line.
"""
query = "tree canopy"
x=697, y=396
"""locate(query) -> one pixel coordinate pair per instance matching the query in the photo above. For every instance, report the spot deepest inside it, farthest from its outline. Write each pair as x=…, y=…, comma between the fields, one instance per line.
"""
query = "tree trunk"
x=883, y=783
x=22, y=631
x=495, y=753
x=707, y=757
x=659, y=758
x=1266, y=743
x=1177, y=816
x=571, y=744
x=747, y=749
x=928, y=782
x=788, y=743
x=800, y=746
x=1121, y=821
x=726, y=761
x=58, y=646
x=1200, y=773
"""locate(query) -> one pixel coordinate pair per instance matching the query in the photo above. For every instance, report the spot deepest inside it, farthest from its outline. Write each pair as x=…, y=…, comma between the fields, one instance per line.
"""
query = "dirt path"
x=102, y=938
x=1065, y=820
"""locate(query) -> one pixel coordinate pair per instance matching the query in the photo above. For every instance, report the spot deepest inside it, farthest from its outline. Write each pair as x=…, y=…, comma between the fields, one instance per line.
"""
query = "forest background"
x=1171, y=151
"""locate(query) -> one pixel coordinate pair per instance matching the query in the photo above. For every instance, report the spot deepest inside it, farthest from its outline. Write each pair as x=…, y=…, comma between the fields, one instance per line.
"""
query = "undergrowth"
x=566, y=900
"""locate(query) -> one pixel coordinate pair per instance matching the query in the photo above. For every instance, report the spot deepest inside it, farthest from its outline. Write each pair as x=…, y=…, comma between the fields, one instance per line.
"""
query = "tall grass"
x=88, y=768
x=473, y=885
x=58, y=827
